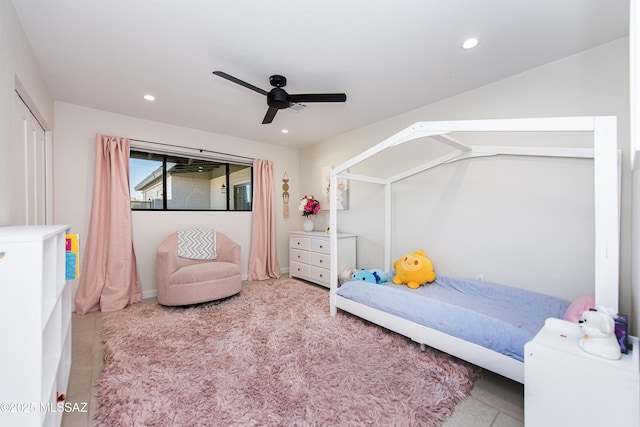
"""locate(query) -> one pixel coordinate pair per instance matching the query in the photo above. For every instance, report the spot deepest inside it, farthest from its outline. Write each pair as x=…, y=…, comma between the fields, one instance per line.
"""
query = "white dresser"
x=35, y=308
x=564, y=386
x=309, y=255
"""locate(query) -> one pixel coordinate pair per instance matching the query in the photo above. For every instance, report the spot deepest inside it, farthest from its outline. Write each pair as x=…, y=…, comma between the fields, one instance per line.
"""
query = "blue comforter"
x=494, y=316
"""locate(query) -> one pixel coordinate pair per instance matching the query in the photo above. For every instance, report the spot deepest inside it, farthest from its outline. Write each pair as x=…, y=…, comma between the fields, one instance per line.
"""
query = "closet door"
x=30, y=166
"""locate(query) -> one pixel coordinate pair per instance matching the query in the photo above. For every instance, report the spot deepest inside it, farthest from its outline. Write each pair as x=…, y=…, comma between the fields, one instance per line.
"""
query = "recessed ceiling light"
x=150, y=97
x=470, y=43
x=285, y=131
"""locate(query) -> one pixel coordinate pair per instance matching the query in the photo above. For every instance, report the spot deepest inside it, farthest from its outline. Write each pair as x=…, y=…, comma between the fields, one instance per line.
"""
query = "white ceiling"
x=388, y=56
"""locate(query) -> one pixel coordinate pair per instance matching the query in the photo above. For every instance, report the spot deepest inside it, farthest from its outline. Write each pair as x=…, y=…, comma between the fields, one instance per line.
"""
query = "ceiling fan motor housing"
x=278, y=98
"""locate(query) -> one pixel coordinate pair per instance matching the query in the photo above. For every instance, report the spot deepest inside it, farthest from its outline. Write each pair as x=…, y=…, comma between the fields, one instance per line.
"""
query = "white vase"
x=308, y=224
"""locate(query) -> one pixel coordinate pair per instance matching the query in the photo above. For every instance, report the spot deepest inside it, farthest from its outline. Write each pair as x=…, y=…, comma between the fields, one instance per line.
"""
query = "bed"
x=606, y=163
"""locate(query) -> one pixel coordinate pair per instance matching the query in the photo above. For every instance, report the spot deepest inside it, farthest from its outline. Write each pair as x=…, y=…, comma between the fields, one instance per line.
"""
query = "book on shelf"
x=72, y=256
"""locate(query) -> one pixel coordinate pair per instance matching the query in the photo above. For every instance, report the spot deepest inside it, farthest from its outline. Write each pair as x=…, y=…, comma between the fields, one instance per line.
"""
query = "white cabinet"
x=309, y=255
x=35, y=308
x=564, y=386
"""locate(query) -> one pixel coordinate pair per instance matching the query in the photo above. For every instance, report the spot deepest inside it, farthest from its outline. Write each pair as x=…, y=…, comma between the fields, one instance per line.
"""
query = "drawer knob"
x=321, y=246
x=320, y=261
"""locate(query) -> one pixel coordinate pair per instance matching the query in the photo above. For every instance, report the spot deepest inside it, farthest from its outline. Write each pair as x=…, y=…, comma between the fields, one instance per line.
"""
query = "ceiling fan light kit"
x=279, y=99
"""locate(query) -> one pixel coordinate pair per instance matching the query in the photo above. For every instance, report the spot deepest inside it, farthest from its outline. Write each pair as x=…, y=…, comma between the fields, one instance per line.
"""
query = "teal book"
x=71, y=266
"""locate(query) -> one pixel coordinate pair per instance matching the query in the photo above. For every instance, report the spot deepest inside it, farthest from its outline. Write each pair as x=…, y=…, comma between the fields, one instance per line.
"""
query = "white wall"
x=517, y=221
x=76, y=128
x=17, y=63
x=634, y=53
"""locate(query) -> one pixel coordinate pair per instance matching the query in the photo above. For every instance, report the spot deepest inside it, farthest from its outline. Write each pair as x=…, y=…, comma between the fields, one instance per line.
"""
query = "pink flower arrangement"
x=309, y=206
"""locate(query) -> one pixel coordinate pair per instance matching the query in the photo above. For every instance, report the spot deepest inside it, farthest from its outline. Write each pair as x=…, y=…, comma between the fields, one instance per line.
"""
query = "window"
x=168, y=182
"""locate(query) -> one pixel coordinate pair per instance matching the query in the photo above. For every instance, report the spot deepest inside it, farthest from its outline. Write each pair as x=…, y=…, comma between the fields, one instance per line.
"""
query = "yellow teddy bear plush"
x=414, y=270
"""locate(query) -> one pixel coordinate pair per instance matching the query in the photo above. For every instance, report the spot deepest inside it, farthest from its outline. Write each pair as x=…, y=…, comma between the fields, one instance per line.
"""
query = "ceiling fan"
x=278, y=98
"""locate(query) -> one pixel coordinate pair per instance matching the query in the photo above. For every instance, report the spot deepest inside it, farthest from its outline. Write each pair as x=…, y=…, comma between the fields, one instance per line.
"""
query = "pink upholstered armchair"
x=183, y=281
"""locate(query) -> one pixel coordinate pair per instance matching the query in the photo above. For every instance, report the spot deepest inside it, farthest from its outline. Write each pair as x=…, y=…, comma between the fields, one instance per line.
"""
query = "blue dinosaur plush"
x=376, y=276
x=380, y=275
x=364, y=275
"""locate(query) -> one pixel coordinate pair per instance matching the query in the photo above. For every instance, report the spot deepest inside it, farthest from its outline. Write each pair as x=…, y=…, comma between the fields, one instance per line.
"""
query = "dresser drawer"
x=296, y=255
x=321, y=246
x=320, y=260
x=320, y=275
x=302, y=243
x=299, y=270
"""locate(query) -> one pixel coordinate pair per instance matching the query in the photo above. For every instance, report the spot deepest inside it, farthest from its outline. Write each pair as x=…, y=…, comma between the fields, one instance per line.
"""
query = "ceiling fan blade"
x=319, y=97
x=271, y=113
x=240, y=82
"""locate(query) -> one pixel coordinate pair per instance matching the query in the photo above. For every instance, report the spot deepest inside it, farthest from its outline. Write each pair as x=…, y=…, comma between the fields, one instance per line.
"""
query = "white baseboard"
x=150, y=294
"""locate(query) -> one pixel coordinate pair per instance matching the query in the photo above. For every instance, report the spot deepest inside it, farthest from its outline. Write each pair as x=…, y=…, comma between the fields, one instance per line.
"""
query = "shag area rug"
x=270, y=356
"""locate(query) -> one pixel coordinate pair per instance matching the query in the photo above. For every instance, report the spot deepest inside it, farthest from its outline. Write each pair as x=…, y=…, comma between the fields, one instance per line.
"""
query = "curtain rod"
x=201, y=150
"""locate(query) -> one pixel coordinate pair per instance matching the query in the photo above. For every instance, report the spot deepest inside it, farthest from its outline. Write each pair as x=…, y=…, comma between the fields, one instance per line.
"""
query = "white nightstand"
x=309, y=255
x=564, y=386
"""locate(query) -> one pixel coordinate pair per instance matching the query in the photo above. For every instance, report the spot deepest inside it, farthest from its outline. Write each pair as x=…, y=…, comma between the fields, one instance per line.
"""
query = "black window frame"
x=166, y=159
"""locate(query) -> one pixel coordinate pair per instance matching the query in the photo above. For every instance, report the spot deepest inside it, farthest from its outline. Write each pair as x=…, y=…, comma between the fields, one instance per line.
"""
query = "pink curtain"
x=263, y=259
x=109, y=278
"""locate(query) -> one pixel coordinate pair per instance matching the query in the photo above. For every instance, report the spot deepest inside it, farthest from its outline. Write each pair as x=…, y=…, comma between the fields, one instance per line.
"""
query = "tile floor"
x=494, y=402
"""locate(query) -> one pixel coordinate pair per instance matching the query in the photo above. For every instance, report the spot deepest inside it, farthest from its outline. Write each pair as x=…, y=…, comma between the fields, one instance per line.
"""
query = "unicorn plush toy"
x=599, y=335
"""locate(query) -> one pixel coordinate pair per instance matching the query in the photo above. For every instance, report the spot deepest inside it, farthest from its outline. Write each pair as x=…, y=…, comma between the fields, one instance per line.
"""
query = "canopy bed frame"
x=606, y=161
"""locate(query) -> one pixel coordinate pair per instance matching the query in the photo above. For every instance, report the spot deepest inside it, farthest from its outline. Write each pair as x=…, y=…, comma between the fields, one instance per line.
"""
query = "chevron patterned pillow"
x=197, y=243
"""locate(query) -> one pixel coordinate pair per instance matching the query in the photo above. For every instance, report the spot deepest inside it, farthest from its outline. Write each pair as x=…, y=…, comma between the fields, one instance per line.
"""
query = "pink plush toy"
x=579, y=306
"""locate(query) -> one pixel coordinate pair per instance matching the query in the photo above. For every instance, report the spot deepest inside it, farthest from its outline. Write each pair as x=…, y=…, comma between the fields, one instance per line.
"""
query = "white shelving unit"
x=35, y=308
